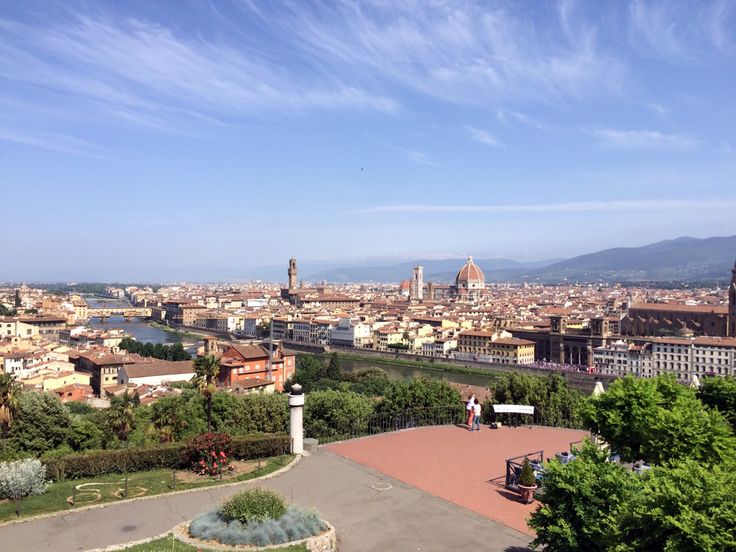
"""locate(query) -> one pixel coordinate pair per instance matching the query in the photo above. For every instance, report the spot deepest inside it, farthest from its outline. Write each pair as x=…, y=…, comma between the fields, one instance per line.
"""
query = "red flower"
x=213, y=454
x=223, y=454
x=214, y=465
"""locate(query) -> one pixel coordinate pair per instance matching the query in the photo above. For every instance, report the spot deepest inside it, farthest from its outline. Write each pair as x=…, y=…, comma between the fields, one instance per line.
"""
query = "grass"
x=110, y=488
x=170, y=544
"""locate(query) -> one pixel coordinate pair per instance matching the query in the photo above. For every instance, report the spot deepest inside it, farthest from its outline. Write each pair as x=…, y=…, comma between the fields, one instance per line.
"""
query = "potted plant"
x=527, y=482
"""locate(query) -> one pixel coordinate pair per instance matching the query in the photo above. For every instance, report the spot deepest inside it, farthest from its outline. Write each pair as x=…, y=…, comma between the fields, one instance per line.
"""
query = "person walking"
x=470, y=410
x=476, y=415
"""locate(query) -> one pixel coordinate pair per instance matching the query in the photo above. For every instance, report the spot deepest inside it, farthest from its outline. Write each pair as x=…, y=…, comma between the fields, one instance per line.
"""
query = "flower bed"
x=258, y=518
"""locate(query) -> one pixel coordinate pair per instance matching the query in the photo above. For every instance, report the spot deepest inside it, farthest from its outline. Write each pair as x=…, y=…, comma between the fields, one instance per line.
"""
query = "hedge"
x=168, y=456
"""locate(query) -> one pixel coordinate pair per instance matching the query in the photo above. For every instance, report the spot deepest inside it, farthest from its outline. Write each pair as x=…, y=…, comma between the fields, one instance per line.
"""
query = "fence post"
x=173, y=479
x=74, y=495
x=17, y=506
x=126, y=486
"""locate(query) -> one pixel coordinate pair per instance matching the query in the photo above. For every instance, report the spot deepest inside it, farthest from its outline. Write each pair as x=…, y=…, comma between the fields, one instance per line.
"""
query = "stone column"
x=296, y=419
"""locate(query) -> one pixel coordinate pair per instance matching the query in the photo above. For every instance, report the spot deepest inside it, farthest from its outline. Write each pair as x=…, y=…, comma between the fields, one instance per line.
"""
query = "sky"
x=173, y=140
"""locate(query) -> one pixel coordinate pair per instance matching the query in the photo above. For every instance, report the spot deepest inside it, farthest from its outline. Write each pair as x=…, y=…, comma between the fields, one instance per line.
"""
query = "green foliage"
x=554, y=402
x=720, y=393
x=333, y=370
x=373, y=382
x=251, y=413
x=688, y=507
x=9, y=402
x=84, y=434
x=21, y=478
x=206, y=370
x=527, y=477
x=330, y=414
x=121, y=416
x=309, y=369
x=5, y=311
x=75, y=407
x=658, y=420
x=209, y=453
x=583, y=503
x=169, y=418
x=164, y=352
x=41, y=424
x=169, y=455
x=253, y=505
x=418, y=393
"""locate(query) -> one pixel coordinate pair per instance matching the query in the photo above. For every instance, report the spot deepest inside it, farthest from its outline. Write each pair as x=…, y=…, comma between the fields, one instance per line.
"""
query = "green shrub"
x=169, y=456
x=253, y=505
x=209, y=453
x=527, y=478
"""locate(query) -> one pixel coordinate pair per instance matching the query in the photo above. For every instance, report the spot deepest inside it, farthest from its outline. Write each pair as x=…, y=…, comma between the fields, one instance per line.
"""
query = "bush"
x=296, y=524
x=21, y=478
x=169, y=456
x=209, y=453
x=527, y=478
x=330, y=415
x=41, y=424
x=253, y=505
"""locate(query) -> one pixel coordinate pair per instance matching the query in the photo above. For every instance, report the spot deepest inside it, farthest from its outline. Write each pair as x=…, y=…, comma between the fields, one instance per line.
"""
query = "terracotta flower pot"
x=527, y=493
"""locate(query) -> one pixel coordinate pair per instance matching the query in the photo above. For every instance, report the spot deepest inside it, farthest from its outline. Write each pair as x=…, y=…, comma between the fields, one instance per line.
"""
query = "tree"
x=332, y=414
x=206, y=370
x=121, y=416
x=84, y=434
x=167, y=416
x=418, y=394
x=333, y=370
x=5, y=311
x=658, y=420
x=720, y=393
x=582, y=503
x=554, y=402
x=309, y=369
x=41, y=424
x=9, y=391
x=688, y=507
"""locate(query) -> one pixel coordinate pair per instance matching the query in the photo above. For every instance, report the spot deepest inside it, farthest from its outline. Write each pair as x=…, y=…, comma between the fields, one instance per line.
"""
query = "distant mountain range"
x=683, y=259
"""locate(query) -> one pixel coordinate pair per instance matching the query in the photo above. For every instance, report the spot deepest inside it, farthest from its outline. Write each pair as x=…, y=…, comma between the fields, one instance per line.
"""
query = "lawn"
x=111, y=488
x=170, y=544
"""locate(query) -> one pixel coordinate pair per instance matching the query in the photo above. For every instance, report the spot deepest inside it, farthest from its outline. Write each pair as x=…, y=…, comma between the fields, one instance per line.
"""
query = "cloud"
x=642, y=139
x=462, y=52
x=482, y=136
x=414, y=156
x=146, y=73
x=683, y=32
x=55, y=142
x=570, y=207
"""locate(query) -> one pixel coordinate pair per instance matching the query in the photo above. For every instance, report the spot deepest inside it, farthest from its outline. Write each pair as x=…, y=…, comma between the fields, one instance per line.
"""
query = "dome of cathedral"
x=469, y=274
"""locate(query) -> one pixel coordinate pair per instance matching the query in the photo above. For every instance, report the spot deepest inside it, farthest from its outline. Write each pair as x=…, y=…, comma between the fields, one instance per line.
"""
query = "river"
x=140, y=329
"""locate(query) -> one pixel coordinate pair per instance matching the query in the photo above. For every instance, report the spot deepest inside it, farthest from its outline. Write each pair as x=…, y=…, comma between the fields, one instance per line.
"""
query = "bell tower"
x=731, y=325
x=292, y=273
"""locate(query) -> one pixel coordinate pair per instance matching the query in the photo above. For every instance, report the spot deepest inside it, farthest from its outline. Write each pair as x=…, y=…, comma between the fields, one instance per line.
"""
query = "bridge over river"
x=103, y=313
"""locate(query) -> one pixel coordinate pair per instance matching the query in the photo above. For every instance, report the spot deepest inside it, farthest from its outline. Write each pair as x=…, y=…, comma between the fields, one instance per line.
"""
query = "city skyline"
x=139, y=139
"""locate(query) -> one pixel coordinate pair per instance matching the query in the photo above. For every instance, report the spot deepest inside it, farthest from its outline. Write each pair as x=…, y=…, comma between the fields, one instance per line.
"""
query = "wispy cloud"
x=414, y=156
x=55, y=142
x=683, y=31
x=642, y=139
x=570, y=207
x=482, y=136
x=463, y=52
x=144, y=72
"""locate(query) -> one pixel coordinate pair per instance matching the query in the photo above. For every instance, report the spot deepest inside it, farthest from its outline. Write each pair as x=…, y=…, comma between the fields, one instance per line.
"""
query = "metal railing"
x=328, y=431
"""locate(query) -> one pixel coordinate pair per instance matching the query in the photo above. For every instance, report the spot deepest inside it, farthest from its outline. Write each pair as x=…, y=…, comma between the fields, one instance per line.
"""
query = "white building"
x=351, y=333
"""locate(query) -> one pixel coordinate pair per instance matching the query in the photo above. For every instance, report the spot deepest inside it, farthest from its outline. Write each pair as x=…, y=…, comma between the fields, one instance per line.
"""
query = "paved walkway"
x=397, y=519
x=467, y=469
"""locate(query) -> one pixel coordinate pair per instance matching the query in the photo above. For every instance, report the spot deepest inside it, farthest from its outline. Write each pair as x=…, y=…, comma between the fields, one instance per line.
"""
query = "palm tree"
x=9, y=391
x=206, y=370
x=120, y=416
x=168, y=418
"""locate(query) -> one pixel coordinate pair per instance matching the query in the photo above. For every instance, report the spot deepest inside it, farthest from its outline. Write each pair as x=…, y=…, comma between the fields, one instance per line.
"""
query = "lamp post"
x=296, y=419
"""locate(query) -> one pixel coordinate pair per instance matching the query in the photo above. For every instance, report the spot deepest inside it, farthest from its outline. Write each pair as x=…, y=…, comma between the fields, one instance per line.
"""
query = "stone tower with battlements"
x=292, y=273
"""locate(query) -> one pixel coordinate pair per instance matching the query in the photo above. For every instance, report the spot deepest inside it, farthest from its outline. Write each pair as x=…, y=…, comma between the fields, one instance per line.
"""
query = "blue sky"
x=166, y=139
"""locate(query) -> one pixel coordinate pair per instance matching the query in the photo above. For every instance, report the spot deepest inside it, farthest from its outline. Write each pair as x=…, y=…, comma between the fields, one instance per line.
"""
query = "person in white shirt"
x=476, y=415
x=470, y=410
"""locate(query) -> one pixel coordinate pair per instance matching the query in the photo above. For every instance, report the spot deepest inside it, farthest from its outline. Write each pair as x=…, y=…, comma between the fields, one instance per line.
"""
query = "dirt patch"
x=240, y=467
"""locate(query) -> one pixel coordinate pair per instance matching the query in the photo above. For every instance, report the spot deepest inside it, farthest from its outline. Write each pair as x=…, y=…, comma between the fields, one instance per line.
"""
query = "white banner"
x=513, y=409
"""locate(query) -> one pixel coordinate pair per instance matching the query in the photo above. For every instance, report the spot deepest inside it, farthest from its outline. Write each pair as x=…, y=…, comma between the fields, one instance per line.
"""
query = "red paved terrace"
x=465, y=468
